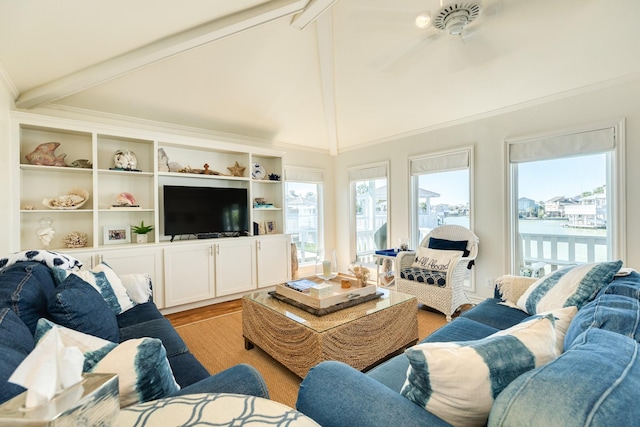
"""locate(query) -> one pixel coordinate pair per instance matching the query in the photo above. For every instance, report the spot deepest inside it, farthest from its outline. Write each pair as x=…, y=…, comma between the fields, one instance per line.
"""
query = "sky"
x=568, y=177
x=539, y=181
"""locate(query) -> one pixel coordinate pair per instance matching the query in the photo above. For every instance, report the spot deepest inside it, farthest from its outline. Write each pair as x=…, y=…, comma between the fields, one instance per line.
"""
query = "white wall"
x=487, y=135
x=6, y=155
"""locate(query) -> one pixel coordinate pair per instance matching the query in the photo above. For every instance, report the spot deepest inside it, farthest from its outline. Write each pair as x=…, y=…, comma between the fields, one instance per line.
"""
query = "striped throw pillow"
x=459, y=381
x=570, y=286
x=143, y=370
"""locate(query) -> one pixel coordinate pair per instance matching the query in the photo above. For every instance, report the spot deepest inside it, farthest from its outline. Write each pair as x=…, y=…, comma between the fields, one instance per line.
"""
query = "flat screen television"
x=205, y=211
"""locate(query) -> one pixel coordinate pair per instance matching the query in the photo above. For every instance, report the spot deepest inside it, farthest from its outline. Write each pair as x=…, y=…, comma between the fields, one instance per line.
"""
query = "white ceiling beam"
x=314, y=9
x=158, y=51
x=324, y=26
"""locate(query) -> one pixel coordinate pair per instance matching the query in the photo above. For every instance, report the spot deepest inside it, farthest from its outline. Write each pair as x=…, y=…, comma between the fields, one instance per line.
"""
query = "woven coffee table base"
x=361, y=342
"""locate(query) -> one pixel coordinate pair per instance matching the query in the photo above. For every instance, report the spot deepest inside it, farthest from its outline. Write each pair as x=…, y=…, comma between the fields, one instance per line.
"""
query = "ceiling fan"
x=452, y=18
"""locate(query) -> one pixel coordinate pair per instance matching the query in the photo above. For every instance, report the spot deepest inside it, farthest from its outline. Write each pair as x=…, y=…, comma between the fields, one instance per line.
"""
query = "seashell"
x=44, y=155
x=125, y=199
x=81, y=163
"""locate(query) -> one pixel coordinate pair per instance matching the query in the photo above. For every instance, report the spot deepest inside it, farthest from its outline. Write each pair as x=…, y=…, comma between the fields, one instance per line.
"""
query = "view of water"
x=548, y=227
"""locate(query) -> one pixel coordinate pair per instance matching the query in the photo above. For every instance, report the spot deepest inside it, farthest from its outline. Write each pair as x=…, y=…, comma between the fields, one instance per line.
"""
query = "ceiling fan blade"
x=403, y=58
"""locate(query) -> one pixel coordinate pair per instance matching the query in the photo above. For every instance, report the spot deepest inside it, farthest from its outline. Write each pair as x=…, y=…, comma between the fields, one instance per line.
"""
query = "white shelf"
x=98, y=143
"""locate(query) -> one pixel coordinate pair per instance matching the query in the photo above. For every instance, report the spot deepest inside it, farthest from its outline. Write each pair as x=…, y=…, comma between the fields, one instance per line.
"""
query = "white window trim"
x=617, y=189
x=447, y=166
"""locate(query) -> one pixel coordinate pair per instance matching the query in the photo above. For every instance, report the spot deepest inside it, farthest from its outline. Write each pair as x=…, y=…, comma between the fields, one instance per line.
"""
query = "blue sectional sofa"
x=29, y=292
x=595, y=380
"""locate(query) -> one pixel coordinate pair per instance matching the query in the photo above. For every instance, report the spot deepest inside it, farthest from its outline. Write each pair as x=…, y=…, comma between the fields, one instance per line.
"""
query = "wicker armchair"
x=446, y=298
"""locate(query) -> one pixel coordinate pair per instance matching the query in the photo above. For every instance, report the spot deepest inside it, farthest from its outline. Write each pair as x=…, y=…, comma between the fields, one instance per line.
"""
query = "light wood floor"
x=207, y=312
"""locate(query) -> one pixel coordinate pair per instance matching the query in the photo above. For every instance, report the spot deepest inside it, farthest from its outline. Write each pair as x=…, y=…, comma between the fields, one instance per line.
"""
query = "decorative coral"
x=362, y=274
x=75, y=239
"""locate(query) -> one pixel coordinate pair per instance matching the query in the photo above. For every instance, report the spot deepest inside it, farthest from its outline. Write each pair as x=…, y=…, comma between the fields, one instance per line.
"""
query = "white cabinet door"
x=188, y=272
x=274, y=260
x=235, y=266
x=146, y=260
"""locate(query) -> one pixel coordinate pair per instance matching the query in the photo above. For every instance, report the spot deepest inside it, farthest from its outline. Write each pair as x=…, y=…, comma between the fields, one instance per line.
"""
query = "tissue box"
x=321, y=290
x=94, y=401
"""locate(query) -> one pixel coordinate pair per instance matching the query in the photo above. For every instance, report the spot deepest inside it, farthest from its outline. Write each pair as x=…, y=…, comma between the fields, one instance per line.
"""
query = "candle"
x=326, y=268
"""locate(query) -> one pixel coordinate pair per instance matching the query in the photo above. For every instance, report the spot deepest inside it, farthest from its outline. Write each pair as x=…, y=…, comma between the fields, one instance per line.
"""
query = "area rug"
x=218, y=344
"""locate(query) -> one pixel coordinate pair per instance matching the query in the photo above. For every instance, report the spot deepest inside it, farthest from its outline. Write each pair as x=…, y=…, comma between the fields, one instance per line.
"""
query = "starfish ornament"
x=236, y=170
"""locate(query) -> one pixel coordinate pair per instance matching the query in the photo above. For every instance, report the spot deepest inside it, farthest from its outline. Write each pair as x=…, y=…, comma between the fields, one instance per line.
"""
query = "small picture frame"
x=116, y=234
x=270, y=227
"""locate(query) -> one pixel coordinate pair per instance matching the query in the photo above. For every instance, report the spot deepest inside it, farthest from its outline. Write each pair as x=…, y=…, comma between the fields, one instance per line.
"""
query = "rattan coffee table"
x=360, y=336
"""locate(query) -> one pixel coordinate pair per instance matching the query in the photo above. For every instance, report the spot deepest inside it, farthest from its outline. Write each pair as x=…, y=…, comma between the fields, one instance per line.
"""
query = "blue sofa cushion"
x=156, y=328
x=105, y=281
x=187, y=370
x=139, y=314
x=491, y=313
x=570, y=286
x=25, y=288
x=594, y=383
x=611, y=312
x=430, y=277
x=15, y=346
x=458, y=381
x=77, y=305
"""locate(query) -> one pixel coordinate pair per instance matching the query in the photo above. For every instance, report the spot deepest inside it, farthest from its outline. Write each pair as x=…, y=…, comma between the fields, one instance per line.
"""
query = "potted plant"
x=141, y=232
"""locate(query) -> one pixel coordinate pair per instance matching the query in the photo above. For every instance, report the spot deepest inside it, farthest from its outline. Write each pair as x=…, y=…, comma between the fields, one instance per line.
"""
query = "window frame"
x=615, y=184
x=414, y=186
x=367, y=172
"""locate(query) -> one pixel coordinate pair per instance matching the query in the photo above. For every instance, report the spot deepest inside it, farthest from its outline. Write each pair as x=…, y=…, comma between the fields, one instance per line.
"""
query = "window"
x=303, y=211
x=369, y=222
x=566, y=199
x=440, y=186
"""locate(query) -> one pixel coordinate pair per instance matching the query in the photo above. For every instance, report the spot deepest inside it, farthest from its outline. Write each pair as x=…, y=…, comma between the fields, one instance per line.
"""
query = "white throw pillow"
x=562, y=319
x=570, y=286
x=459, y=381
x=435, y=259
x=138, y=286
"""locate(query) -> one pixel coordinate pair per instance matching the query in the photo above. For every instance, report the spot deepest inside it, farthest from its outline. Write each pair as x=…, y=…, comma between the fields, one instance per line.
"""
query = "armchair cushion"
x=458, y=381
x=430, y=277
x=569, y=286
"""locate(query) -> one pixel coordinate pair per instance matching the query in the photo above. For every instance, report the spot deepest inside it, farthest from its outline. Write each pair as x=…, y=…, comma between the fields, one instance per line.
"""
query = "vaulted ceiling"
x=360, y=72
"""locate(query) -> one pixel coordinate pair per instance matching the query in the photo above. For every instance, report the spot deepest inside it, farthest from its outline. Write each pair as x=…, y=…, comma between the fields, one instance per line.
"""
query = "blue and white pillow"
x=141, y=364
x=570, y=286
x=105, y=281
x=50, y=259
x=459, y=381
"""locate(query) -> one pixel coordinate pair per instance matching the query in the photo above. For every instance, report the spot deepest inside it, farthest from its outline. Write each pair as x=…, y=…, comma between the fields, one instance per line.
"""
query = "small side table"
x=387, y=279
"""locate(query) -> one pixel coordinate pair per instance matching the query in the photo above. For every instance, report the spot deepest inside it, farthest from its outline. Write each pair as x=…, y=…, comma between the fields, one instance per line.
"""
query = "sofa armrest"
x=510, y=288
x=334, y=394
x=238, y=379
